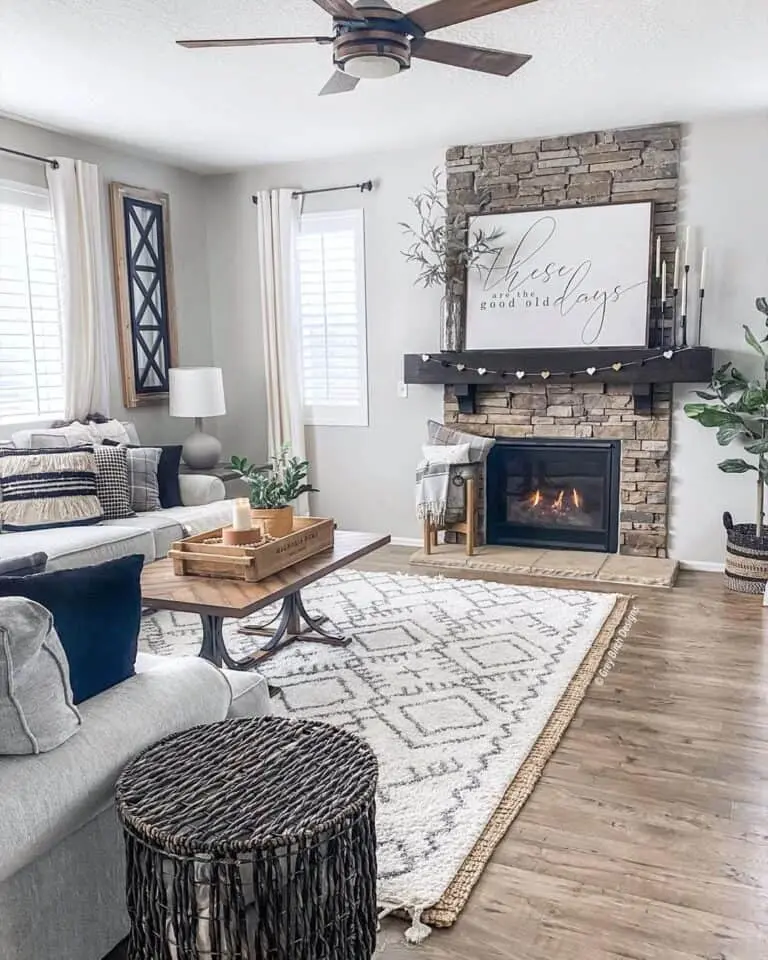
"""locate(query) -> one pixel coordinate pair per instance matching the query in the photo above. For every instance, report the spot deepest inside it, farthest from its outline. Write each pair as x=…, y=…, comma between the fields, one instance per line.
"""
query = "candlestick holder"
x=684, y=309
x=697, y=332
x=673, y=331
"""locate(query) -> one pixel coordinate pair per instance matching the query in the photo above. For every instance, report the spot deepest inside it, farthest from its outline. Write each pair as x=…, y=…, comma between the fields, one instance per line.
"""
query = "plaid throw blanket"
x=438, y=499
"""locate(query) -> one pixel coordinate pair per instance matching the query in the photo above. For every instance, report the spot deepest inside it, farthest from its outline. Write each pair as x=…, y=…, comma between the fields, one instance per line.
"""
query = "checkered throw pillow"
x=112, y=482
x=442, y=436
x=142, y=478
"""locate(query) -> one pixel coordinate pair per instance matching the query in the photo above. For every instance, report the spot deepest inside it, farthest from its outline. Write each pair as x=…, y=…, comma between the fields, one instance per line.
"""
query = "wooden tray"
x=192, y=557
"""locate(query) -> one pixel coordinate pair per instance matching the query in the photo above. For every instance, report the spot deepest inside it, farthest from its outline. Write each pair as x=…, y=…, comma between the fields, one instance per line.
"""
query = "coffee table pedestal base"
x=292, y=624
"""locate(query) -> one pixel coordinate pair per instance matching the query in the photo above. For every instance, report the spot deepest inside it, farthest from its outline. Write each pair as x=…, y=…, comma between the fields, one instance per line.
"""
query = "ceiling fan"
x=372, y=40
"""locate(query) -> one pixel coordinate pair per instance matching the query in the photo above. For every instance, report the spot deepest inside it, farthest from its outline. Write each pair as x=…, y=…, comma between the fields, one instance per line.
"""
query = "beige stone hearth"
x=558, y=564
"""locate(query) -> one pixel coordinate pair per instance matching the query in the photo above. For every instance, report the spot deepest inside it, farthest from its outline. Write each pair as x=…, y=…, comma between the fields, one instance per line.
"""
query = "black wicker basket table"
x=251, y=840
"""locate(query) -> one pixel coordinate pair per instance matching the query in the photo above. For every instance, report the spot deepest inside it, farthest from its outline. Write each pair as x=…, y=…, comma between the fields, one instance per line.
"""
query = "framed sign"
x=141, y=243
x=566, y=277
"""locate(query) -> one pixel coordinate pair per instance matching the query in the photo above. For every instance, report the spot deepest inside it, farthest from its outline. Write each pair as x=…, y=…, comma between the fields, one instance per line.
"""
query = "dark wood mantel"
x=642, y=367
x=692, y=365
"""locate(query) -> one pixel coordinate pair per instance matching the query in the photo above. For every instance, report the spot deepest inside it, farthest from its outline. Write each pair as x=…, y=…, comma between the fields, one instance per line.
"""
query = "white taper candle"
x=658, y=257
x=676, y=281
x=687, y=246
x=663, y=284
x=704, y=257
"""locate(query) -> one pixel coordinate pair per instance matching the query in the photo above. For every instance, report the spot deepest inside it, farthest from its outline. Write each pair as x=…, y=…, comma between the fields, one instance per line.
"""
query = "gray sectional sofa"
x=62, y=881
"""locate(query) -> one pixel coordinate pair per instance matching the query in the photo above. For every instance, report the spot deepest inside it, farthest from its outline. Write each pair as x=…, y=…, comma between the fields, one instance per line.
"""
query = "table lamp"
x=196, y=393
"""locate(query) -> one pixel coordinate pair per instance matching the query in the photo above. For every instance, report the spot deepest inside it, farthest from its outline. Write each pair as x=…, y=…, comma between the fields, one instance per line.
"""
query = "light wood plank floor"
x=647, y=837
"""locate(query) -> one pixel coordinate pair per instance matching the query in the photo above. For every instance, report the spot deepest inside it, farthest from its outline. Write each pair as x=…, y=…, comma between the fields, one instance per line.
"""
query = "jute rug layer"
x=462, y=688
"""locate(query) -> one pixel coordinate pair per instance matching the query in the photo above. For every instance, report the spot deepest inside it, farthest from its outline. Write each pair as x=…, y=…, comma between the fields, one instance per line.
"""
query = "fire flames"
x=563, y=501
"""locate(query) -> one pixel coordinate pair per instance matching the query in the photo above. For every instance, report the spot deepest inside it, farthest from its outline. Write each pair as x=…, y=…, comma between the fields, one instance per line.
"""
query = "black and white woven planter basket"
x=746, y=557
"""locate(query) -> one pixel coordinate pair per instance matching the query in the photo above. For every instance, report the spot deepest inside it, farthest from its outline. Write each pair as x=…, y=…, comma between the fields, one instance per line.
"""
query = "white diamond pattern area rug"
x=463, y=688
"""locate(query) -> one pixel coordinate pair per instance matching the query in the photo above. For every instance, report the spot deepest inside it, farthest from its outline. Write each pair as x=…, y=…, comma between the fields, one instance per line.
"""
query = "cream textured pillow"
x=37, y=712
x=459, y=453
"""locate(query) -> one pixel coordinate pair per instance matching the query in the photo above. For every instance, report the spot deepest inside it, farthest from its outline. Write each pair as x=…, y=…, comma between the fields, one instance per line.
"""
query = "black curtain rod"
x=365, y=187
x=30, y=156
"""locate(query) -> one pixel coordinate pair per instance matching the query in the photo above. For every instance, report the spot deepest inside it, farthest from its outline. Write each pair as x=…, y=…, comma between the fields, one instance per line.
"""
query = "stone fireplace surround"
x=586, y=168
x=599, y=411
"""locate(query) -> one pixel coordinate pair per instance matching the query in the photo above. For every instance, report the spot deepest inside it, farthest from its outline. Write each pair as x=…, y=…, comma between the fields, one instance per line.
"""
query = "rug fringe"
x=418, y=931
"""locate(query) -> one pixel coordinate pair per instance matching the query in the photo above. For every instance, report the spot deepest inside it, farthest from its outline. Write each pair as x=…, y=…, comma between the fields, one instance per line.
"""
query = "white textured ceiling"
x=110, y=69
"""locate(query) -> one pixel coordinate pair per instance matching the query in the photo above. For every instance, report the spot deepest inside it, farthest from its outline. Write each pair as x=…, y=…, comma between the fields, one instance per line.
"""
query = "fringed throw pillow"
x=48, y=488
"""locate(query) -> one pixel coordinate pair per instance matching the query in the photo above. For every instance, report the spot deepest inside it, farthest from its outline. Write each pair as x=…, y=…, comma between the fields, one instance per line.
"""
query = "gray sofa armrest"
x=200, y=489
x=45, y=798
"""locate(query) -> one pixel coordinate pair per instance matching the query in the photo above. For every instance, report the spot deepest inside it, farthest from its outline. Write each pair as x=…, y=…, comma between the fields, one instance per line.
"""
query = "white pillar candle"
x=663, y=283
x=676, y=281
x=658, y=257
x=703, y=282
x=687, y=246
x=241, y=515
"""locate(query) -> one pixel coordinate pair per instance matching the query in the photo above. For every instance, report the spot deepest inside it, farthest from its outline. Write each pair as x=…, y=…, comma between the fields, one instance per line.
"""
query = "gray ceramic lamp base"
x=201, y=451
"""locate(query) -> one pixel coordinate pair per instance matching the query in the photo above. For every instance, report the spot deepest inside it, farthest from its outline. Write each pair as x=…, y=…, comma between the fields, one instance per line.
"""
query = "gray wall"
x=366, y=475
x=186, y=191
x=724, y=193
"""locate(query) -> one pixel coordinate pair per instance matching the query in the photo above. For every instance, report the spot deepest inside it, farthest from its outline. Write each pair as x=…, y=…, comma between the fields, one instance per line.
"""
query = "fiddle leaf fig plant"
x=737, y=407
x=278, y=484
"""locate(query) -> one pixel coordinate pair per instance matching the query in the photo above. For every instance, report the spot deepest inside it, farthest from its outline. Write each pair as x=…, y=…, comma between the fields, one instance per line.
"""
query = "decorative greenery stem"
x=278, y=484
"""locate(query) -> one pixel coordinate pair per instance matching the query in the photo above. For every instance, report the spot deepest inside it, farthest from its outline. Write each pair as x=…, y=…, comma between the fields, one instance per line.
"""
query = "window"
x=331, y=281
x=31, y=360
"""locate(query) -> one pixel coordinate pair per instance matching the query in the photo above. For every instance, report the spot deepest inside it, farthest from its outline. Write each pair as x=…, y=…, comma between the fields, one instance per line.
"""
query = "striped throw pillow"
x=48, y=488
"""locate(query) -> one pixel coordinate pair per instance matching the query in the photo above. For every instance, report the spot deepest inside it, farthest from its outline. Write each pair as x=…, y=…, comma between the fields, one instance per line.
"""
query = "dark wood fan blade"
x=340, y=82
x=445, y=13
x=340, y=9
x=470, y=58
x=251, y=42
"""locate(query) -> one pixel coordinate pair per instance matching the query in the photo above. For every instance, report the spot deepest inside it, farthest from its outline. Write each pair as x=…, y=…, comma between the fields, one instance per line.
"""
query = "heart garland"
x=617, y=367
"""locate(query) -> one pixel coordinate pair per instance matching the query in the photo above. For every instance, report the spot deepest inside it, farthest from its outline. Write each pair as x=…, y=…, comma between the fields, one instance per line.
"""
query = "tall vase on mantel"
x=451, y=326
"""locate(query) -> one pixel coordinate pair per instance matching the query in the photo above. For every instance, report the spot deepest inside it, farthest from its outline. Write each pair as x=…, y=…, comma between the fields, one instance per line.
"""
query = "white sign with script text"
x=573, y=277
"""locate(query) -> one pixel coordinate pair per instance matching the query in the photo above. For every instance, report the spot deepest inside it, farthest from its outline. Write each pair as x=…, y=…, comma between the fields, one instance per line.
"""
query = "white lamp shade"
x=196, y=392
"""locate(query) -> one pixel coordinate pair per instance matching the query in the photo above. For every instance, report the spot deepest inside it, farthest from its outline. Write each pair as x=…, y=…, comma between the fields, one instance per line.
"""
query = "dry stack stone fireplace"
x=588, y=168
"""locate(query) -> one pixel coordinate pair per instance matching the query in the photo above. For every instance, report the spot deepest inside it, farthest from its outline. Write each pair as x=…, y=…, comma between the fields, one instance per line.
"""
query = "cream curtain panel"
x=86, y=307
x=278, y=213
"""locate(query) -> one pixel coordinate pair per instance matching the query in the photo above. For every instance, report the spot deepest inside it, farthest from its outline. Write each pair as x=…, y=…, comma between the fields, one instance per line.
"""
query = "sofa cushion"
x=112, y=482
x=23, y=566
x=163, y=529
x=48, y=488
x=47, y=798
x=37, y=712
x=97, y=614
x=52, y=438
x=70, y=547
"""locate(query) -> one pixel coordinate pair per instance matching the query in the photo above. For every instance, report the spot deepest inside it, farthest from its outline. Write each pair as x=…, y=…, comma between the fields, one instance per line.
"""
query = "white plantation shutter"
x=331, y=298
x=31, y=361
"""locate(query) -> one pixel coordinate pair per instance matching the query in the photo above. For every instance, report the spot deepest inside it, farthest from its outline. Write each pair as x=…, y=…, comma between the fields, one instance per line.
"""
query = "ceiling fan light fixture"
x=372, y=67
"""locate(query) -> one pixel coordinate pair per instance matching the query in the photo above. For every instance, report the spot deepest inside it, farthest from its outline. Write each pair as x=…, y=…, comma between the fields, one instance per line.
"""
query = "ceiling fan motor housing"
x=382, y=32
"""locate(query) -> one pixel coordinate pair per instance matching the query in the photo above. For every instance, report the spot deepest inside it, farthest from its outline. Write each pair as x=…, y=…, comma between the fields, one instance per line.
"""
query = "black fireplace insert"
x=554, y=493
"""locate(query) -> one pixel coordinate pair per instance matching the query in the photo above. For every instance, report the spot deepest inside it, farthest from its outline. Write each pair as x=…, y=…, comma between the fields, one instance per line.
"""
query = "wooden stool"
x=467, y=527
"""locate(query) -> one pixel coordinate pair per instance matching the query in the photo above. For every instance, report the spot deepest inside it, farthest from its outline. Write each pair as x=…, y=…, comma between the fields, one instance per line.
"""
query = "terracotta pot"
x=276, y=523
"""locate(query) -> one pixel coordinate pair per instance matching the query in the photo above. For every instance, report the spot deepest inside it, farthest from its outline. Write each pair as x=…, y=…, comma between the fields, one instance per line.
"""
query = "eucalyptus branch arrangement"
x=277, y=485
x=438, y=241
x=738, y=408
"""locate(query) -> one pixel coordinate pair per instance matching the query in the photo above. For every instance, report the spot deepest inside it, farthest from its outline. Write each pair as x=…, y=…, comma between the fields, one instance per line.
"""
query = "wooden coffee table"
x=214, y=600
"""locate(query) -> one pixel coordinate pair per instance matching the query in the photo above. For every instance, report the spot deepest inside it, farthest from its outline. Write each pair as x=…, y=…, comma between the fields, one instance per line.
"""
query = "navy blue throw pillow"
x=97, y=614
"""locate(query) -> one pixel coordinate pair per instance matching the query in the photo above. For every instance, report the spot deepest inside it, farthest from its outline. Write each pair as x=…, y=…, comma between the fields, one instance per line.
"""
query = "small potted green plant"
x=737, y=407
x=274, y=488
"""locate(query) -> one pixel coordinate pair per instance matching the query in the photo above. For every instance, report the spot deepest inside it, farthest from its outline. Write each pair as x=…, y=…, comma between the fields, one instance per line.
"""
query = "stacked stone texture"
x=583, y=169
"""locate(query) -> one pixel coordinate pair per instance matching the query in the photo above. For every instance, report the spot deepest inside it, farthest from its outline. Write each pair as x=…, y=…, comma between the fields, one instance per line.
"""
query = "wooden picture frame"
x=144, y=294
x=599, y=240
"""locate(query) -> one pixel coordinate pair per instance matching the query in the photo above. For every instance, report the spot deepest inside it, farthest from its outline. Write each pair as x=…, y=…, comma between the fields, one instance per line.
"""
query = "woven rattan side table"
x=251, y=840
